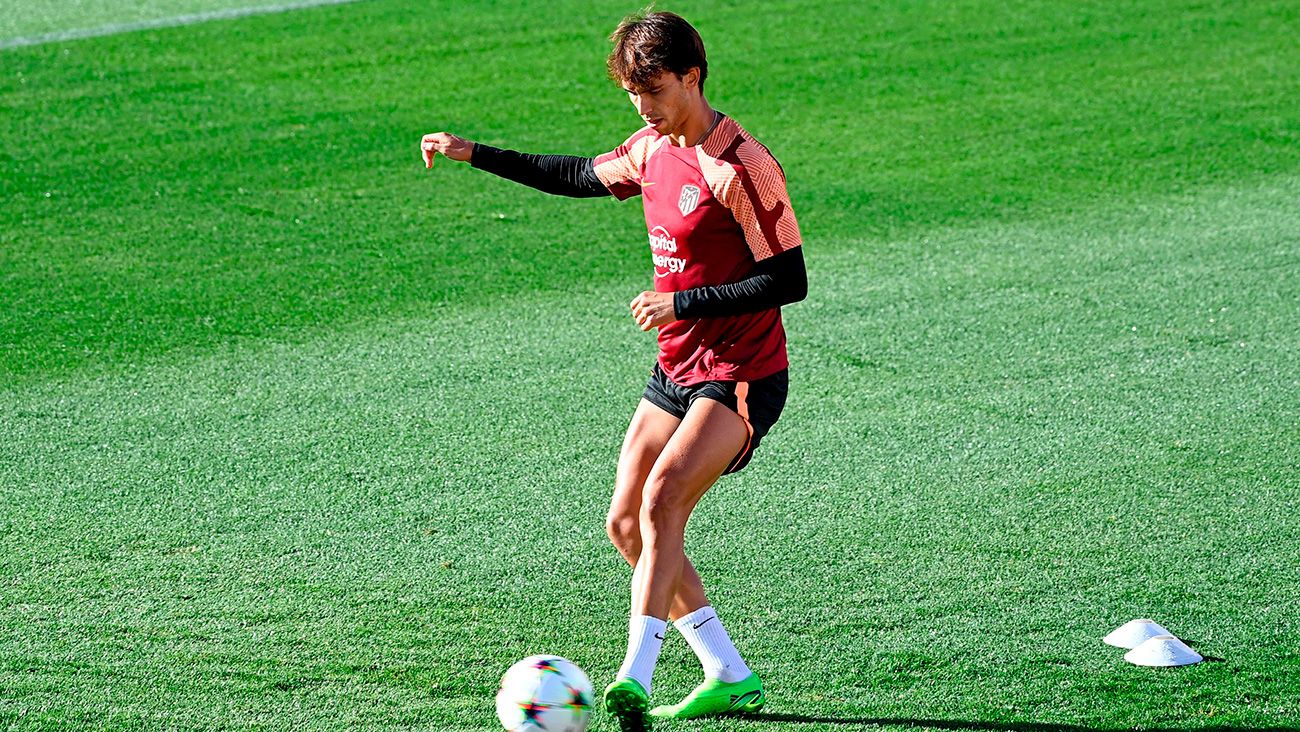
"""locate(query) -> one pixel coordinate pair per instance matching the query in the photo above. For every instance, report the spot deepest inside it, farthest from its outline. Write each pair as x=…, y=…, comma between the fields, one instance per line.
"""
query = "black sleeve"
x=562, y=175
x=778, y=280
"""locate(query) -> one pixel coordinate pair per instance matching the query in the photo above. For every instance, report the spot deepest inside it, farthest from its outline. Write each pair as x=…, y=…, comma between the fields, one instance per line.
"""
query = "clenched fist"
x=456, y=148
x=653, y=309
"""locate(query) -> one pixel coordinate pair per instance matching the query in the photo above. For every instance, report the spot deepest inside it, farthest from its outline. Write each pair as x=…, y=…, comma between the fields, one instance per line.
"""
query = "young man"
x=726, y=253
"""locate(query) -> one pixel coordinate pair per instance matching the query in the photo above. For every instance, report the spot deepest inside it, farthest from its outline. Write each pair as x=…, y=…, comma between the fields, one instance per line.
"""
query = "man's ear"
x=692, y=77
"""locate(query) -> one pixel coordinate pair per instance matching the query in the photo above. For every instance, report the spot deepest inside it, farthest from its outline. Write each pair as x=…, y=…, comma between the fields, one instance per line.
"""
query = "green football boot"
x=627, y=700
x=716, y=697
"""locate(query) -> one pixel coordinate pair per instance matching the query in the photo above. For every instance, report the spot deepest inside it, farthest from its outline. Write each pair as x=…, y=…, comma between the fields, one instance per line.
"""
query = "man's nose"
x=642, y=105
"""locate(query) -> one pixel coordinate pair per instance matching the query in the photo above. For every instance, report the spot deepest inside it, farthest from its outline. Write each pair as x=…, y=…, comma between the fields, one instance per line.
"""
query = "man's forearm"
x=561, y=175
x=778, y=280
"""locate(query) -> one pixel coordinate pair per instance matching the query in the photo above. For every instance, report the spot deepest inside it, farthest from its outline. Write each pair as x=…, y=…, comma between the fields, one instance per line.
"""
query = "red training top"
x=713, y=211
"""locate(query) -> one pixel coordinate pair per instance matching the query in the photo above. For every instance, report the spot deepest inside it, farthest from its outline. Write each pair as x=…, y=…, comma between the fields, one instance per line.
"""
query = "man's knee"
x=663, y=506
x=624, y=530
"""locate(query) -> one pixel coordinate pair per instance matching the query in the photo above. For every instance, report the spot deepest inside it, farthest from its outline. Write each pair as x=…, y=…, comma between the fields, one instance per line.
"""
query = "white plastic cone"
x=1134, y=633
x=1163, y=650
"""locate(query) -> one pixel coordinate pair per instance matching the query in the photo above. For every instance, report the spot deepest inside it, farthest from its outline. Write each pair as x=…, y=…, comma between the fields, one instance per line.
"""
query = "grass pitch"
x=301, y=436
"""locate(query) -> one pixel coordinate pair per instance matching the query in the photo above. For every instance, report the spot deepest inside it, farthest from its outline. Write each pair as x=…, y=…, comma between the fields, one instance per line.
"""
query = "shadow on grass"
x=957, y=724
x=1208, y=659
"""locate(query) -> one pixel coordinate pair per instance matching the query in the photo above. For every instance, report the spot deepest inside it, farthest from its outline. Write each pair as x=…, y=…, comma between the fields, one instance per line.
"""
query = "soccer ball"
x=544, y=694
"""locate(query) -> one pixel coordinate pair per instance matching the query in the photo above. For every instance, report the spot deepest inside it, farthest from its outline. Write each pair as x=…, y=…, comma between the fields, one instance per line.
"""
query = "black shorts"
x=759, y=403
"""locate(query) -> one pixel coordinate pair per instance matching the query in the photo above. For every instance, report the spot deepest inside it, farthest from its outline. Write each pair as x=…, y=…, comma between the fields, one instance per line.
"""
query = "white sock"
x=645, y=637
x=709, y=640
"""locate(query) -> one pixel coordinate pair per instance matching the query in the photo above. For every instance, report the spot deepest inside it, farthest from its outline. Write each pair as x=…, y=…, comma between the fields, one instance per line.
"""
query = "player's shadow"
x=957, y=724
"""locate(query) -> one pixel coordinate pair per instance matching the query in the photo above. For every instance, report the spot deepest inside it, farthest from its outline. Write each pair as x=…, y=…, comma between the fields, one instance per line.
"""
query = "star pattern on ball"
x=532, y=711
x=577, y=700
x=546, y=665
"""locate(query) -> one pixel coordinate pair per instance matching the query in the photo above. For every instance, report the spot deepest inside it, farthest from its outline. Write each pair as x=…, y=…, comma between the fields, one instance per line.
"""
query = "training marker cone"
x=1163, y=650
x=1134, y=633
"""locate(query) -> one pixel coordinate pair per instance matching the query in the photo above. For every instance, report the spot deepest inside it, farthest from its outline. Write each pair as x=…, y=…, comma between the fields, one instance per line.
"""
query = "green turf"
x=30, y=19
x=301, y=436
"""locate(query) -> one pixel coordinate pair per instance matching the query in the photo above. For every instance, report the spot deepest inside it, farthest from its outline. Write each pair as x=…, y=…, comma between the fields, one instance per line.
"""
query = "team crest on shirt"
x=689, y=199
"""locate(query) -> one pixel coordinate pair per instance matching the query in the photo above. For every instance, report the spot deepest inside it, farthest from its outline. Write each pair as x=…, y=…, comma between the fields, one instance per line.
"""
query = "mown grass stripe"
x=111, y=29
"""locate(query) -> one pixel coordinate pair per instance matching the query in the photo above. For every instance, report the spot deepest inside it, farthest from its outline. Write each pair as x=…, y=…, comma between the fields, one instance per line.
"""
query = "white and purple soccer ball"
x=544, y=694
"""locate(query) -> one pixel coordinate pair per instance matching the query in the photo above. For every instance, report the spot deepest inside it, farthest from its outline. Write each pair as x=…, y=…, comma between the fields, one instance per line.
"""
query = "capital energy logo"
x=662, y=245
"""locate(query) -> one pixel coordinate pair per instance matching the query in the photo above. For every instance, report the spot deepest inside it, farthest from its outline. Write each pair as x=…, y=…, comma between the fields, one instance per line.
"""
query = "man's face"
x=665, y=100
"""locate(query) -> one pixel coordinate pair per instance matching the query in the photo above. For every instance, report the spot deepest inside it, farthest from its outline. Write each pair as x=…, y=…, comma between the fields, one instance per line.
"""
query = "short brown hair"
x=647, y=44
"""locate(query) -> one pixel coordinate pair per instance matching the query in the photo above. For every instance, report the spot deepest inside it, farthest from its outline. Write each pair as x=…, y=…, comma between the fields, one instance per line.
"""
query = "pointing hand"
x=456, y=148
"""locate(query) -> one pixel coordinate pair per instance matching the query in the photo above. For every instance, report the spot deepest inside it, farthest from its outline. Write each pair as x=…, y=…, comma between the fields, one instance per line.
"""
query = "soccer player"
x=726, y=252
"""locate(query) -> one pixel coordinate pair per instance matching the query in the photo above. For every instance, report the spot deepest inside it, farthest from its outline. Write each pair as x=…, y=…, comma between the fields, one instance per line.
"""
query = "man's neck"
x=697, y=124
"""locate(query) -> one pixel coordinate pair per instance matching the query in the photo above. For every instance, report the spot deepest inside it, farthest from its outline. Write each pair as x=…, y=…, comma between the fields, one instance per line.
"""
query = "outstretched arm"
x=561, y=175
